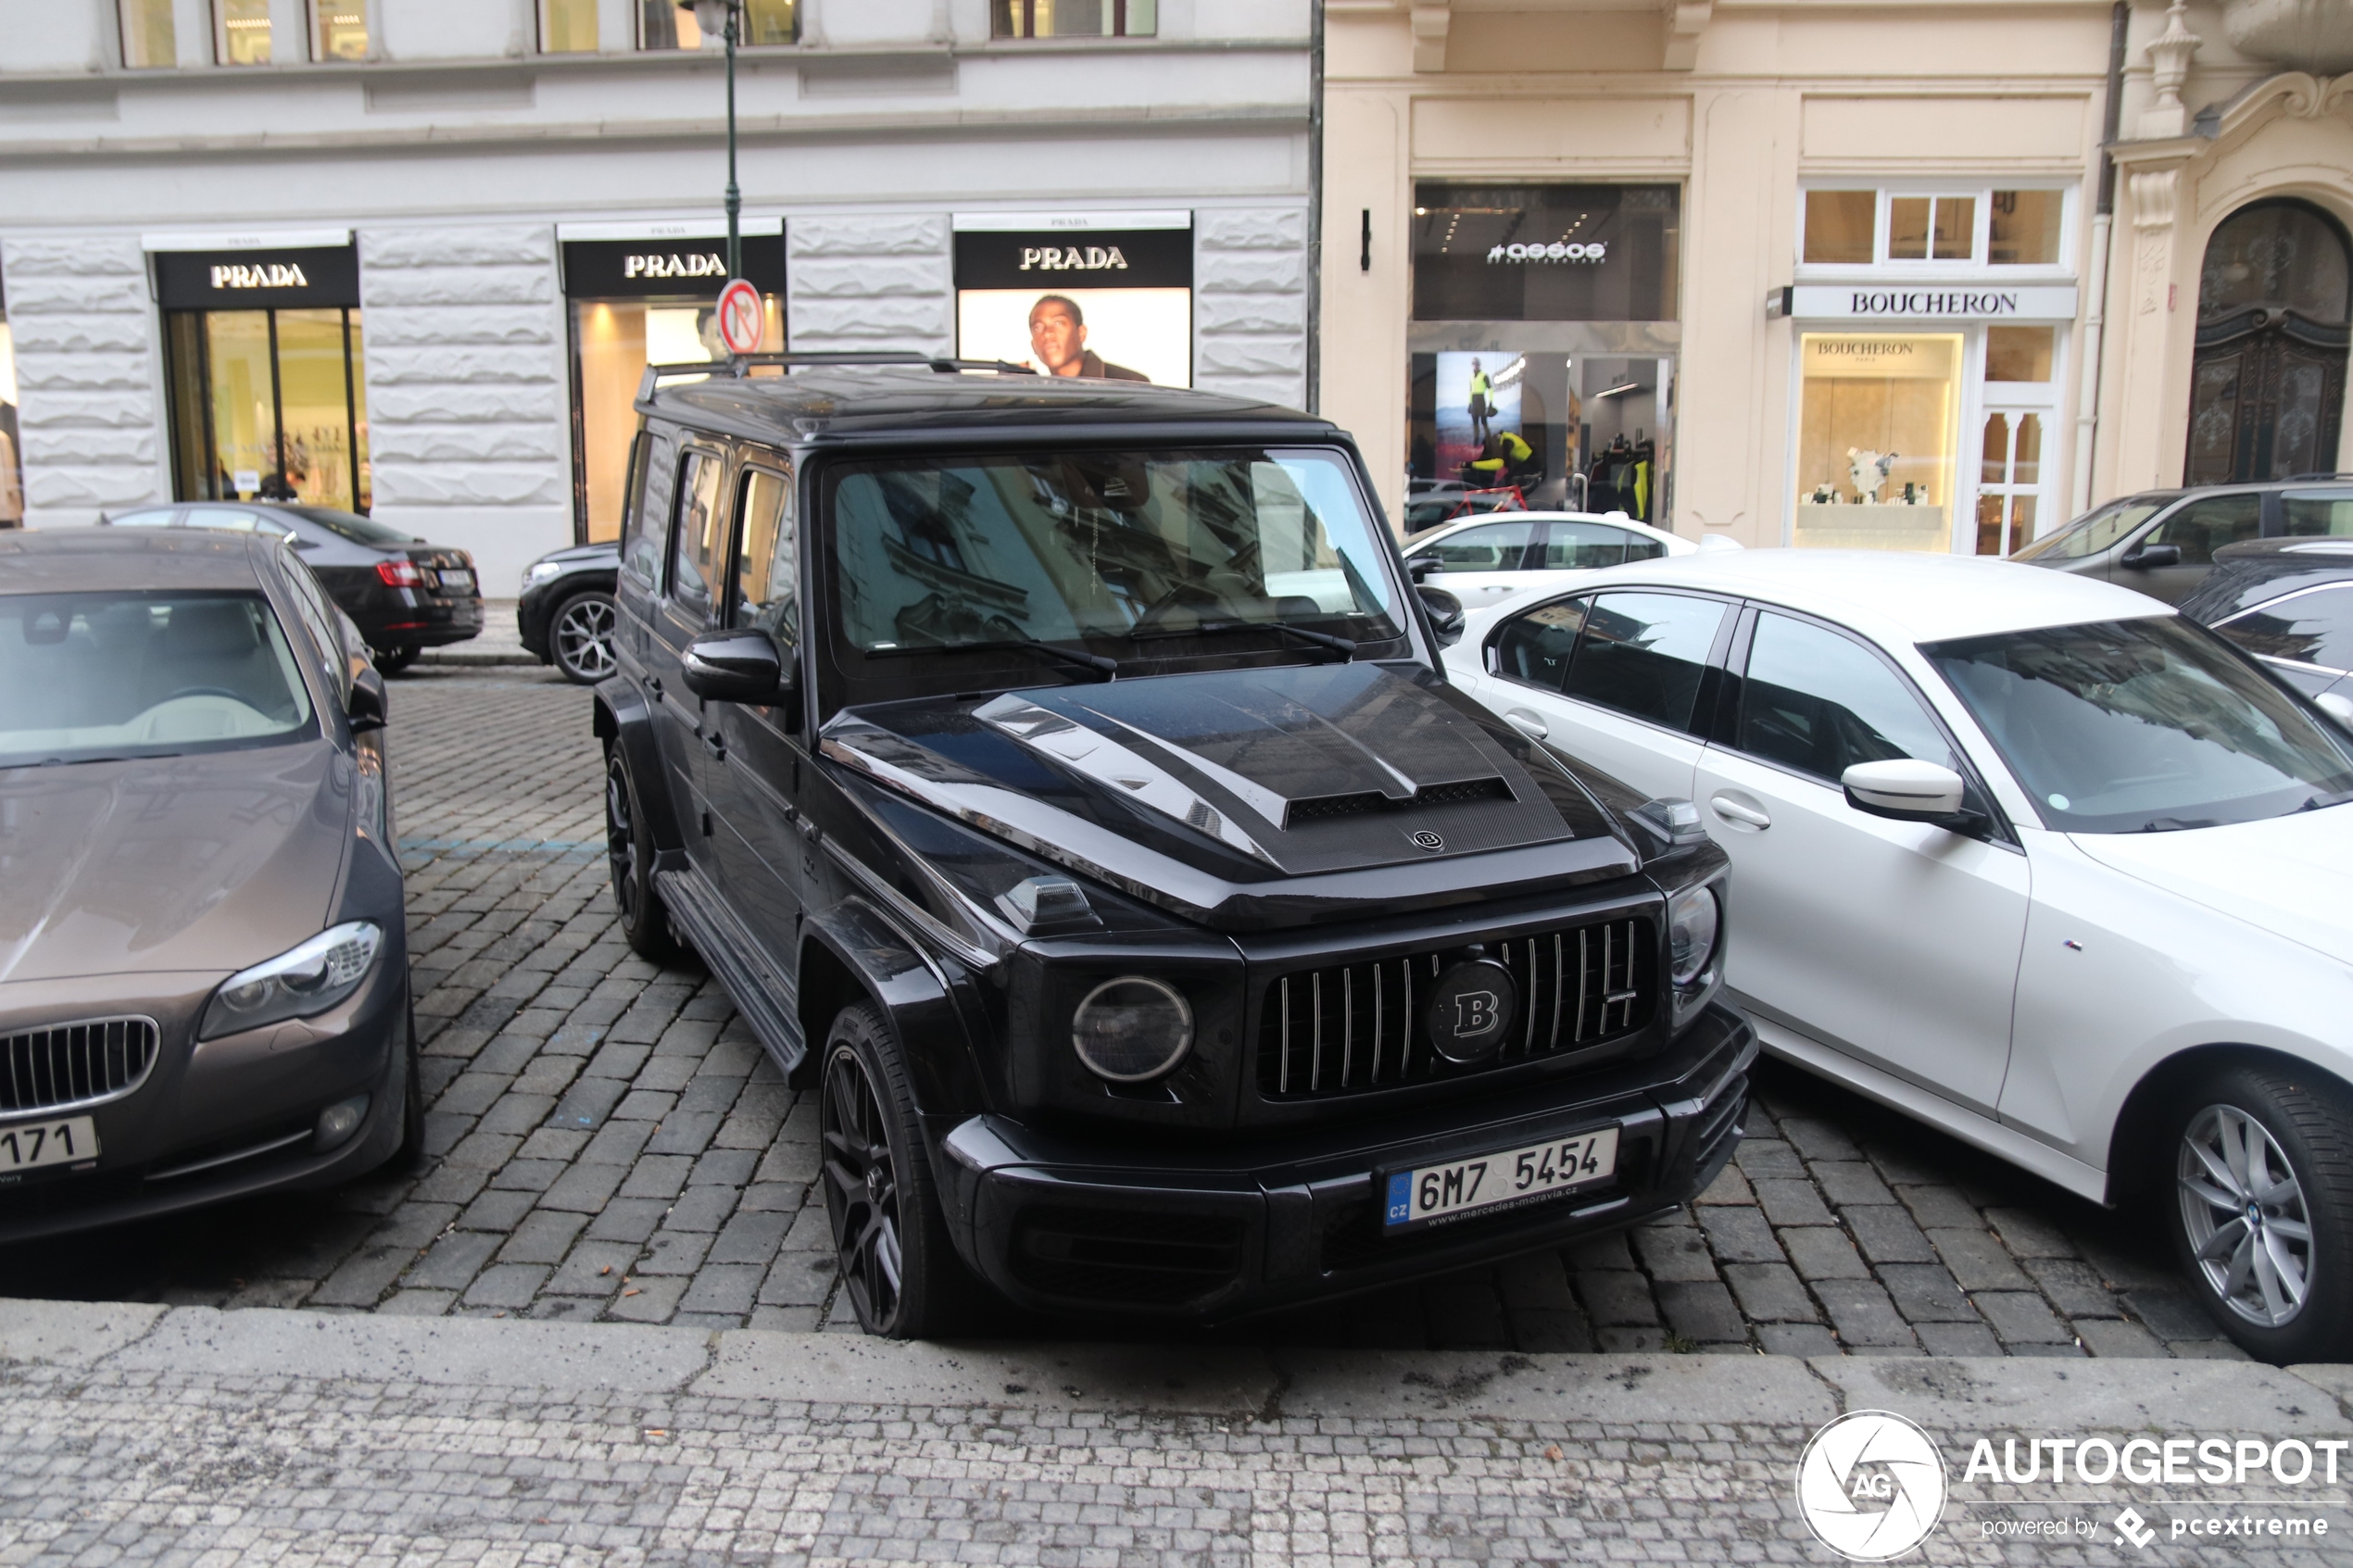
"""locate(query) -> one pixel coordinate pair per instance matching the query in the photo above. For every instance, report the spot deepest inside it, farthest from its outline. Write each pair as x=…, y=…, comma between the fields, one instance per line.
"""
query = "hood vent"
x=1367, y=802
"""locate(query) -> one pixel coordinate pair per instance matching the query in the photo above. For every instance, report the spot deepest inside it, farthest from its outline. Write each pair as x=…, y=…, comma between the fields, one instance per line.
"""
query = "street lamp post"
x=722, y=16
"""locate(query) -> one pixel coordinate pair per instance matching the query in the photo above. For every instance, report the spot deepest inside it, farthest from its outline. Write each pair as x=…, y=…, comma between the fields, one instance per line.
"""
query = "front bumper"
x=1062, y=1226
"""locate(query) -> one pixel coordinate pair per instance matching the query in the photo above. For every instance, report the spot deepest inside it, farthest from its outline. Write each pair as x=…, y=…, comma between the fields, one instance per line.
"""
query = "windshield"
x=2142, y=726
x=1067, y=547
x=84, y=676
x=2094, y=531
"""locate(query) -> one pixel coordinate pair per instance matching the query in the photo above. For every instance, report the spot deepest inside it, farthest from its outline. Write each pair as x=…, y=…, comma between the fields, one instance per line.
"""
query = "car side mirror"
x=1445, y=614
x=2337, y=707
x=2146, y=556
x=1420, y=567
x=739, y=665
x=367, y=708
x=1906, y=790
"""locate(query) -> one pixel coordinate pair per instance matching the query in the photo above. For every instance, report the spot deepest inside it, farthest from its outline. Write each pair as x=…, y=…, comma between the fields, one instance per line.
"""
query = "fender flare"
x=875, y=957
x=624, y=722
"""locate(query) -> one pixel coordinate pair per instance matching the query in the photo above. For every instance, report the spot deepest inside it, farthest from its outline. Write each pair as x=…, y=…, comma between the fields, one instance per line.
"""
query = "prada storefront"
x=638, y=295
x=262, y=363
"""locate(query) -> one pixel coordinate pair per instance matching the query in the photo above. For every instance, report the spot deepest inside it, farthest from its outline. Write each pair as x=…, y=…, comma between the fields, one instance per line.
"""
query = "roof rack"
x=739, y=365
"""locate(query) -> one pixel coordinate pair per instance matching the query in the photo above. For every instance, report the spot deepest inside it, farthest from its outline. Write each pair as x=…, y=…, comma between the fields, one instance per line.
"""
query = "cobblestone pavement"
x=609, y=1143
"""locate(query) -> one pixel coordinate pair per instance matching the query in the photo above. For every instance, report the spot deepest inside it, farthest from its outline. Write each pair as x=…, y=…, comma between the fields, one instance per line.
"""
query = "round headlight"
x=1693, y=918
x=1131, y=1029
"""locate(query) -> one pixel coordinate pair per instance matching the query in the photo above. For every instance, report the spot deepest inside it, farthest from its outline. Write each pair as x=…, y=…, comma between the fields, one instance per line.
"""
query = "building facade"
x=411, y=255
x=1836, y=275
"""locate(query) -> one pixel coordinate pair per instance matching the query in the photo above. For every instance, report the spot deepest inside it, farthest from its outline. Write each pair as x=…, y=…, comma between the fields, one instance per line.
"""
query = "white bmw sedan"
x=2026, y=855
x=1481, y=560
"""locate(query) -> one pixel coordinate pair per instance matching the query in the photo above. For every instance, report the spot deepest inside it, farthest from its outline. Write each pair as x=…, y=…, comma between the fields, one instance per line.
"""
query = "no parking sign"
x=742, y=318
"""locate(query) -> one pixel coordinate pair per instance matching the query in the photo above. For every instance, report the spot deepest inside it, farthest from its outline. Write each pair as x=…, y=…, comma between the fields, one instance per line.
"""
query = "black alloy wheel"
x=2260, y=1207
x=580, y=637
x=392, y=661
x=904, y=1279
x=630, y=855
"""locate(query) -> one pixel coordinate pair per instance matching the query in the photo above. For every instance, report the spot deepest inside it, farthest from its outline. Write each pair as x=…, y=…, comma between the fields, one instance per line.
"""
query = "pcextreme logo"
x=1871, y=1485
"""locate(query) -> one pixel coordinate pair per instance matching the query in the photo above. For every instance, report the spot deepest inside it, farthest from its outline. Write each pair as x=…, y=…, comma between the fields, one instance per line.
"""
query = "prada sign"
x=1092, y=259
x=696, y=267
x=257, y=280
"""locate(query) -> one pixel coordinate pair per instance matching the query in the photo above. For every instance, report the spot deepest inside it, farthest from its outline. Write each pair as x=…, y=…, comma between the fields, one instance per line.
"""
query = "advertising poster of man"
x=1478, y=401
x=1081, y=298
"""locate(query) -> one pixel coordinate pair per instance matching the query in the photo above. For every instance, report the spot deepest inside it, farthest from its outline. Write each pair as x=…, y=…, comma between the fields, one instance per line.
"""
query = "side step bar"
x=763, y=994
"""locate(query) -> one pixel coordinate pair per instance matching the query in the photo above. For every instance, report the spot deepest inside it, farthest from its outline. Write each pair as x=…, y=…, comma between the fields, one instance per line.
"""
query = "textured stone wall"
x=89, y=408
x=870, y=282
x=1249, y=303
x=468, y=395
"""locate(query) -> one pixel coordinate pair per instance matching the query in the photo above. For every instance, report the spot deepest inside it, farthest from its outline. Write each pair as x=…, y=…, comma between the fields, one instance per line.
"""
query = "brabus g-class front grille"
x=74, y=1064
x=1353, y=1028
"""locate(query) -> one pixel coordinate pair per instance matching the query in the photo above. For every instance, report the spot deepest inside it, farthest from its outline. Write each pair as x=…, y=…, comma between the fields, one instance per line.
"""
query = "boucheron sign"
x=1876, y=302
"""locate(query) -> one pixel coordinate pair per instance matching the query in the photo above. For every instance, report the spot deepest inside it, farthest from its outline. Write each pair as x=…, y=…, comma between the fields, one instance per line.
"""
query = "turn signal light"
x=402, y=573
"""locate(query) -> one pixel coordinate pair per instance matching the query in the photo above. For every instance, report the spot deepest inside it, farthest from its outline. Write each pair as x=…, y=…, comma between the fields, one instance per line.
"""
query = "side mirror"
x=1905, y=789
x=367, y=708
x=2146, y=556
x=735, y=666
x=2337, y=706
x=1420, y=567
x=1445, y=614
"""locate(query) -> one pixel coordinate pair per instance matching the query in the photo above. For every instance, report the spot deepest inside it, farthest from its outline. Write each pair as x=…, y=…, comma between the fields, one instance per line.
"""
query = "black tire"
x=2263, y=1225
x=392, y=661
x=411, y=1155
x=890, y=1239
x=580, y=637
x=629, y=853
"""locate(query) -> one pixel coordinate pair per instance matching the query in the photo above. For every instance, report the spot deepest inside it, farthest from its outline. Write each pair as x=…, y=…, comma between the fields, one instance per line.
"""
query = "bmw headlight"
x=296, y=983
x=540, y=571
x=1132, y=1029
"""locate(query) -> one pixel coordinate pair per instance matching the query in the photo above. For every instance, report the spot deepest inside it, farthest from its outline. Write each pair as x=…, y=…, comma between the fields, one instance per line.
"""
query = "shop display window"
x=1074, y=19
x=241, y=32
x=269, y=405
x=338, y=30
x=1841, y=226
x=1877, y=429
x=2022, y=229
x=613, y=340
x=568, y=27
x=150, y=37
x=11, y=458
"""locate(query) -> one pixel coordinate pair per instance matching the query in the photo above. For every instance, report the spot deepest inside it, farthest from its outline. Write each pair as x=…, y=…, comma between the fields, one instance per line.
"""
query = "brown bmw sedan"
x=204, y=980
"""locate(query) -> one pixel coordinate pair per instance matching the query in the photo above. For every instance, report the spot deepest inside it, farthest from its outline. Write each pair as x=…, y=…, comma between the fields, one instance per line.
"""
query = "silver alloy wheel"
x=2243, y=1211
x=584, y=637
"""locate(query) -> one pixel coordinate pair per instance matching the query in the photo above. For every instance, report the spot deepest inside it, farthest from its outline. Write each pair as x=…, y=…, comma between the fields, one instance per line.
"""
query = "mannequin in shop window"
x=1621, y=477
x=1505, y=458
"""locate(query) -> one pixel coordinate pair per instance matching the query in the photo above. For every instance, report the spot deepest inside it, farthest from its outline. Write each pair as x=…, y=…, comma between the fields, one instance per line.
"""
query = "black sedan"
x=2289, y=602
x=402, y=593
x=566, y=615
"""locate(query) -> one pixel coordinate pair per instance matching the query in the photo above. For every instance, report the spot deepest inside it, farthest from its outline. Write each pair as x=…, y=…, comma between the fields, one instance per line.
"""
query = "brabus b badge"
x=1427, y=840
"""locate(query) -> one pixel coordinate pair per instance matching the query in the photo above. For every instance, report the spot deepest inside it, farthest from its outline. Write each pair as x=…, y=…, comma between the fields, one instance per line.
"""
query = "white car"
x=2025, y=855
x=1481, y=560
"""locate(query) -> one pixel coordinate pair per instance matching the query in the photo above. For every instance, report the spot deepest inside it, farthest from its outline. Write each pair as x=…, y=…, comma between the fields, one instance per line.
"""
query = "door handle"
x=716, y=742
x=1733, y=810
x=653, y=684
x=1527, y=723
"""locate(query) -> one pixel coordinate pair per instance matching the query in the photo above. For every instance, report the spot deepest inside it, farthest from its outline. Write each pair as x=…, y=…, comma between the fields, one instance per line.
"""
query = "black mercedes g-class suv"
x=1059, y=777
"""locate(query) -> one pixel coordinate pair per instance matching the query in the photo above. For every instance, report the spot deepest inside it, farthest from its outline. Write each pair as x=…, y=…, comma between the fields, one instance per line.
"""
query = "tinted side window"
x=1643, y=654
x=1819, y=703
x=1575, y=546
x=643, y=539
x=1498, y=546
x=2315, y=628
x=160, y=518
x=2203, y=527
x=767, y=569
x=698, y=537
x=1534, y=648
x=2319, y=514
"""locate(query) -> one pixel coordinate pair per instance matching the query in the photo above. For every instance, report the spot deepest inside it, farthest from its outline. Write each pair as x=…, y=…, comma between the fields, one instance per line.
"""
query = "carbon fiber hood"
x=1188, y=788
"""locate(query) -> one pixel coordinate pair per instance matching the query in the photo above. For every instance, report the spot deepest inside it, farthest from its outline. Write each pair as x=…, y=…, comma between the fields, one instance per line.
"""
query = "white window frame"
x=1976, y=267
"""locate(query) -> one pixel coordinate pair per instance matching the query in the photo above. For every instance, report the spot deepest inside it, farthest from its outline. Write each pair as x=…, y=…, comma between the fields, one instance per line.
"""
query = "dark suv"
x=2162, y=542
x=1059, y=777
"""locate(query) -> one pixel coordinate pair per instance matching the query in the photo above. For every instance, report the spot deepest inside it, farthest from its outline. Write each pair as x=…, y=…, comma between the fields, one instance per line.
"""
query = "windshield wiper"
x=2177, y=824
x=1342, y=646
x=2319, y=802
x=1094, y=664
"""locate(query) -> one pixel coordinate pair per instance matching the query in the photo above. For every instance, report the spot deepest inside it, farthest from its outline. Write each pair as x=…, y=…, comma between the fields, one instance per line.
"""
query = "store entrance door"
x=2009, y=480
x=269, y=405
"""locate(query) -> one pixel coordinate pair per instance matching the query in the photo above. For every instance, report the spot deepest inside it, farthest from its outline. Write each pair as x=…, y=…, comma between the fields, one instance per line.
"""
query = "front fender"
x=858, y=950
x=625, y=722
